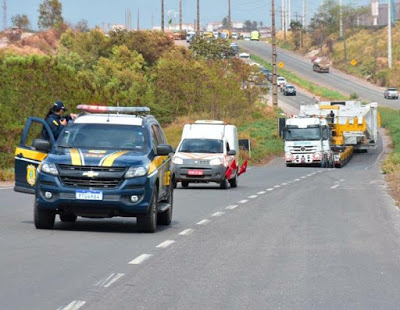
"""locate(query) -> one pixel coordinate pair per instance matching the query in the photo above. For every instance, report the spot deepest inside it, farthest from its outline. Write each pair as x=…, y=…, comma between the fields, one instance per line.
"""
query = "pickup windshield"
x=297, y=134
x=202, y=146
x=102, y=136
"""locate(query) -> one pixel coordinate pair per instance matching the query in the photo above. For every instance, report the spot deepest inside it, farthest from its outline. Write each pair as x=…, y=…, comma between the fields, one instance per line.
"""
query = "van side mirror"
x=232, y=153
x=41, y=145
x=164, y=150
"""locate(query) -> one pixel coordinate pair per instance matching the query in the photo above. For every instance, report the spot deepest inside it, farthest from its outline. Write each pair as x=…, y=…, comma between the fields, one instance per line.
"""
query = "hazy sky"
x=98, y=12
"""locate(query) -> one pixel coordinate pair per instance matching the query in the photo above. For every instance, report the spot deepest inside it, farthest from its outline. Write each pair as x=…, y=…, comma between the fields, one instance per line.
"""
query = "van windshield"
x=202, y=146
x=101, y=136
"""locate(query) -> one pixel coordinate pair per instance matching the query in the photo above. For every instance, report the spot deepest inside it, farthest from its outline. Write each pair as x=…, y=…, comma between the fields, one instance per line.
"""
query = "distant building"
x=265, y=32
x=381, y=19
x=217, y=26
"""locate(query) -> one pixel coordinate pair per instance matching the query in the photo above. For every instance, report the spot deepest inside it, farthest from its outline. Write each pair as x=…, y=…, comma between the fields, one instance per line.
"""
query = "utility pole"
x=289, y=13
x=138, y=19
x=340, y=19
x=229, y=15
x=274, y=85
x=390, y=34
x=180, y=15
x=198, y=18
x=303, y=18
x=4, y=14
x=162, y=15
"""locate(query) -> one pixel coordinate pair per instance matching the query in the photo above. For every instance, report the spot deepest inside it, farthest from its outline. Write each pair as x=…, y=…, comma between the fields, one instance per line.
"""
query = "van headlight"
x=49, y=168
x=177, y=160
x=134, y=172
x=216, y=162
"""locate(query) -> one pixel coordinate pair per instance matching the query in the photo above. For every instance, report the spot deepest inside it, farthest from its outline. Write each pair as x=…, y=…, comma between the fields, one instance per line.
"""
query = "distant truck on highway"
x=208, y=152
x=255, y=35
x=391, y=93
x=321, y=64
x=328, y=133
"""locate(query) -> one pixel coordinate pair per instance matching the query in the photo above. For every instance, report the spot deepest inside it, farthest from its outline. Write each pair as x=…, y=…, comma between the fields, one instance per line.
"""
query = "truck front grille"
x=78, y=182
x=302, y=149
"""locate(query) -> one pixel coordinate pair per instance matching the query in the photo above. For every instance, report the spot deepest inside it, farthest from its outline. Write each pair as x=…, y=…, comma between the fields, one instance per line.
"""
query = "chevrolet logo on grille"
x=90, y=174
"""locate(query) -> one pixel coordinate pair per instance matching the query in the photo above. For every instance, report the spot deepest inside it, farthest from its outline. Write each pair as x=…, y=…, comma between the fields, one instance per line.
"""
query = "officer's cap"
x=59, y=105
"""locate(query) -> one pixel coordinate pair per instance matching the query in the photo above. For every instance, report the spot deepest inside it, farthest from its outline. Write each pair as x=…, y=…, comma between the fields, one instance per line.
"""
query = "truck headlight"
x=134, y=172
x=49, y=168
x=177, y=161
x=216, y=162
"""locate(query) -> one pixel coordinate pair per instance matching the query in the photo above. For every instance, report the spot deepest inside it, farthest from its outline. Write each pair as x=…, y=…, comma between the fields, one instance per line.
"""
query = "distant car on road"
x=281, y=81
x=244, y=55
x=289, y=90
x=235, y=36
x=391, y=93
x=235, y=47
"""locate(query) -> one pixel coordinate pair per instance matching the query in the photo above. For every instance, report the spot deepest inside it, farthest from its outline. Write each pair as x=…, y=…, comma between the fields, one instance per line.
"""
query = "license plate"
x=89, y=195
x=195, y=172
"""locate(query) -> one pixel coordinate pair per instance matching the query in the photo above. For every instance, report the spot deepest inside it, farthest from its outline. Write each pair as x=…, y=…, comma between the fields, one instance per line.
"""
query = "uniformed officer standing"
x=55, y=120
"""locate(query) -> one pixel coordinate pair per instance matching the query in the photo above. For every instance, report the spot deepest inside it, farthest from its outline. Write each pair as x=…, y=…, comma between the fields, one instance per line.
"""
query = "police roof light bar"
x=106, y=109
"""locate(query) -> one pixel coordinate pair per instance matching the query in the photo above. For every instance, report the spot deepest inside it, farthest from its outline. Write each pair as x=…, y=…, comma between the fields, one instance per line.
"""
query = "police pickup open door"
x=31, y=151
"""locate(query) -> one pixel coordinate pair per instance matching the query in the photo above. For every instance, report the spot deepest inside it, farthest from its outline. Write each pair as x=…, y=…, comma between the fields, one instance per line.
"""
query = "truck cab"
x=110, y=161
x=307, y=142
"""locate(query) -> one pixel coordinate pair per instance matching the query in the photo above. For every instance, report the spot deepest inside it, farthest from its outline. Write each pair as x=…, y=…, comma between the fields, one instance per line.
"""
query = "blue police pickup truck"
x=110, y=161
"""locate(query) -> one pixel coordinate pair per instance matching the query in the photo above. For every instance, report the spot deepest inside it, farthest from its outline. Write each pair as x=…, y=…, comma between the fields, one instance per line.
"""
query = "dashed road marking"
x=140, y=259
x=310, y=175
x=335, y=186
x=261, y=193
x=74, y=305
x=216, y=214
x=270, y=189
x=283, y=184
x=231, y=207
x=277, y=186
x=296, y=180
x=186, y=232
x=253, y=196
x=165, y=244
x=243, y=201
x=303, y=177
x=203, y=222
x=114, y=279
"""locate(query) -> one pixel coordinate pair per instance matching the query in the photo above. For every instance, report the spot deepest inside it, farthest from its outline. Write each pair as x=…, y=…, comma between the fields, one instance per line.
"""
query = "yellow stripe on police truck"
x=108, y=161
x=75, y=157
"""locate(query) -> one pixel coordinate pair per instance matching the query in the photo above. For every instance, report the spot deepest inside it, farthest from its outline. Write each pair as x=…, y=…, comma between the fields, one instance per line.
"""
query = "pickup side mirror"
x=232, y=153
x=41, y=145
x=164, y=150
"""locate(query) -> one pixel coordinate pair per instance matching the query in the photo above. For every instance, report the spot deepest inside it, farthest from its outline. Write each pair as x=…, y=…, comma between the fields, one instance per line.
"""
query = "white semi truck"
x=328, y=133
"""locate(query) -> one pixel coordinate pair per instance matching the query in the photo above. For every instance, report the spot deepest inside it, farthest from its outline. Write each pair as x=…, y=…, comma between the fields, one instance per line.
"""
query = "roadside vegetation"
x=123, y=68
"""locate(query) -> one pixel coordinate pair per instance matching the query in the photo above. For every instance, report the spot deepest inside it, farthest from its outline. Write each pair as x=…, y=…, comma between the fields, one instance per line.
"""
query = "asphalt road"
x=289, y=238
x=334, y=80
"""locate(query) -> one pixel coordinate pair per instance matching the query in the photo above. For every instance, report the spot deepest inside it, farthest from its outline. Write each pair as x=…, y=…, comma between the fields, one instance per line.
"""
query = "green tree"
x=82, y=26
x=21, y=21
x=211, y=49
x=225, y=23
x=50, y=14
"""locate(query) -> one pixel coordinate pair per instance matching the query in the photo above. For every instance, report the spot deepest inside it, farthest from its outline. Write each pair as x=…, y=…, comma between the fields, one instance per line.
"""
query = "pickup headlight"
x=177, y=161
x=216, y=162
x=134, y=172
x=49, y=168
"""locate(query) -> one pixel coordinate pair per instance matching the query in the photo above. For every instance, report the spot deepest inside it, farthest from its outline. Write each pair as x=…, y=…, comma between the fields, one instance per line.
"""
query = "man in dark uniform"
x=55, y=120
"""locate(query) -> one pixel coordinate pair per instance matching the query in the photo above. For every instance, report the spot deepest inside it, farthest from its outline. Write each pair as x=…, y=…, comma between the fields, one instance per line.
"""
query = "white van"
x=208, y=152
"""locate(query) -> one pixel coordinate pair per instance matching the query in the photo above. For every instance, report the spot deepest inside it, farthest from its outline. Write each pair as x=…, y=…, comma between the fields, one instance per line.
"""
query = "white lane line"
x=253, y=196
x=341, y=180
x=283, y=184
x=261, y=193
x=243, y=201
x=102, y=282
x=277, y=186
x=140, y=259
x=231, y=207
x=203, y=222
x=303, y=177
x=216, y=214
x=6, y=188
x=319, y=171
x=270, y=189
x=114, y=279
x=310, y=175
x=165, y=244
x=335, y=186
x=74, y=305
x=186, y=232
x=296, y=180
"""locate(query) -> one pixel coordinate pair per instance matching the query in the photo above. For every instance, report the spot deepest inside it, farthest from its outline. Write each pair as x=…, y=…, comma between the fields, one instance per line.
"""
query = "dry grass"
x=6, y=174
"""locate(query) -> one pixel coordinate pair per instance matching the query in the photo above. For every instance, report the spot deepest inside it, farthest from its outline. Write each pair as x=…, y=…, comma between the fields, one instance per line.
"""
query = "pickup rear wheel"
x=44, y=219
x=148, y=223
x=234, y=182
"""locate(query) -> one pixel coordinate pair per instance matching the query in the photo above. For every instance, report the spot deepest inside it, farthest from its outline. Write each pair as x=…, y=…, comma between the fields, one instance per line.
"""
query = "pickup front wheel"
x=44, y=219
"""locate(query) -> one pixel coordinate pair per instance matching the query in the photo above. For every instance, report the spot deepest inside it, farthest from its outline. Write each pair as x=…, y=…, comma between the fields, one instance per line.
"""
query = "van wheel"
x=234, y=181
x=148, y=223
x=68, y=217
x=165, y=218
x=44, y=219
x=224, y=184
x=185, y=184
